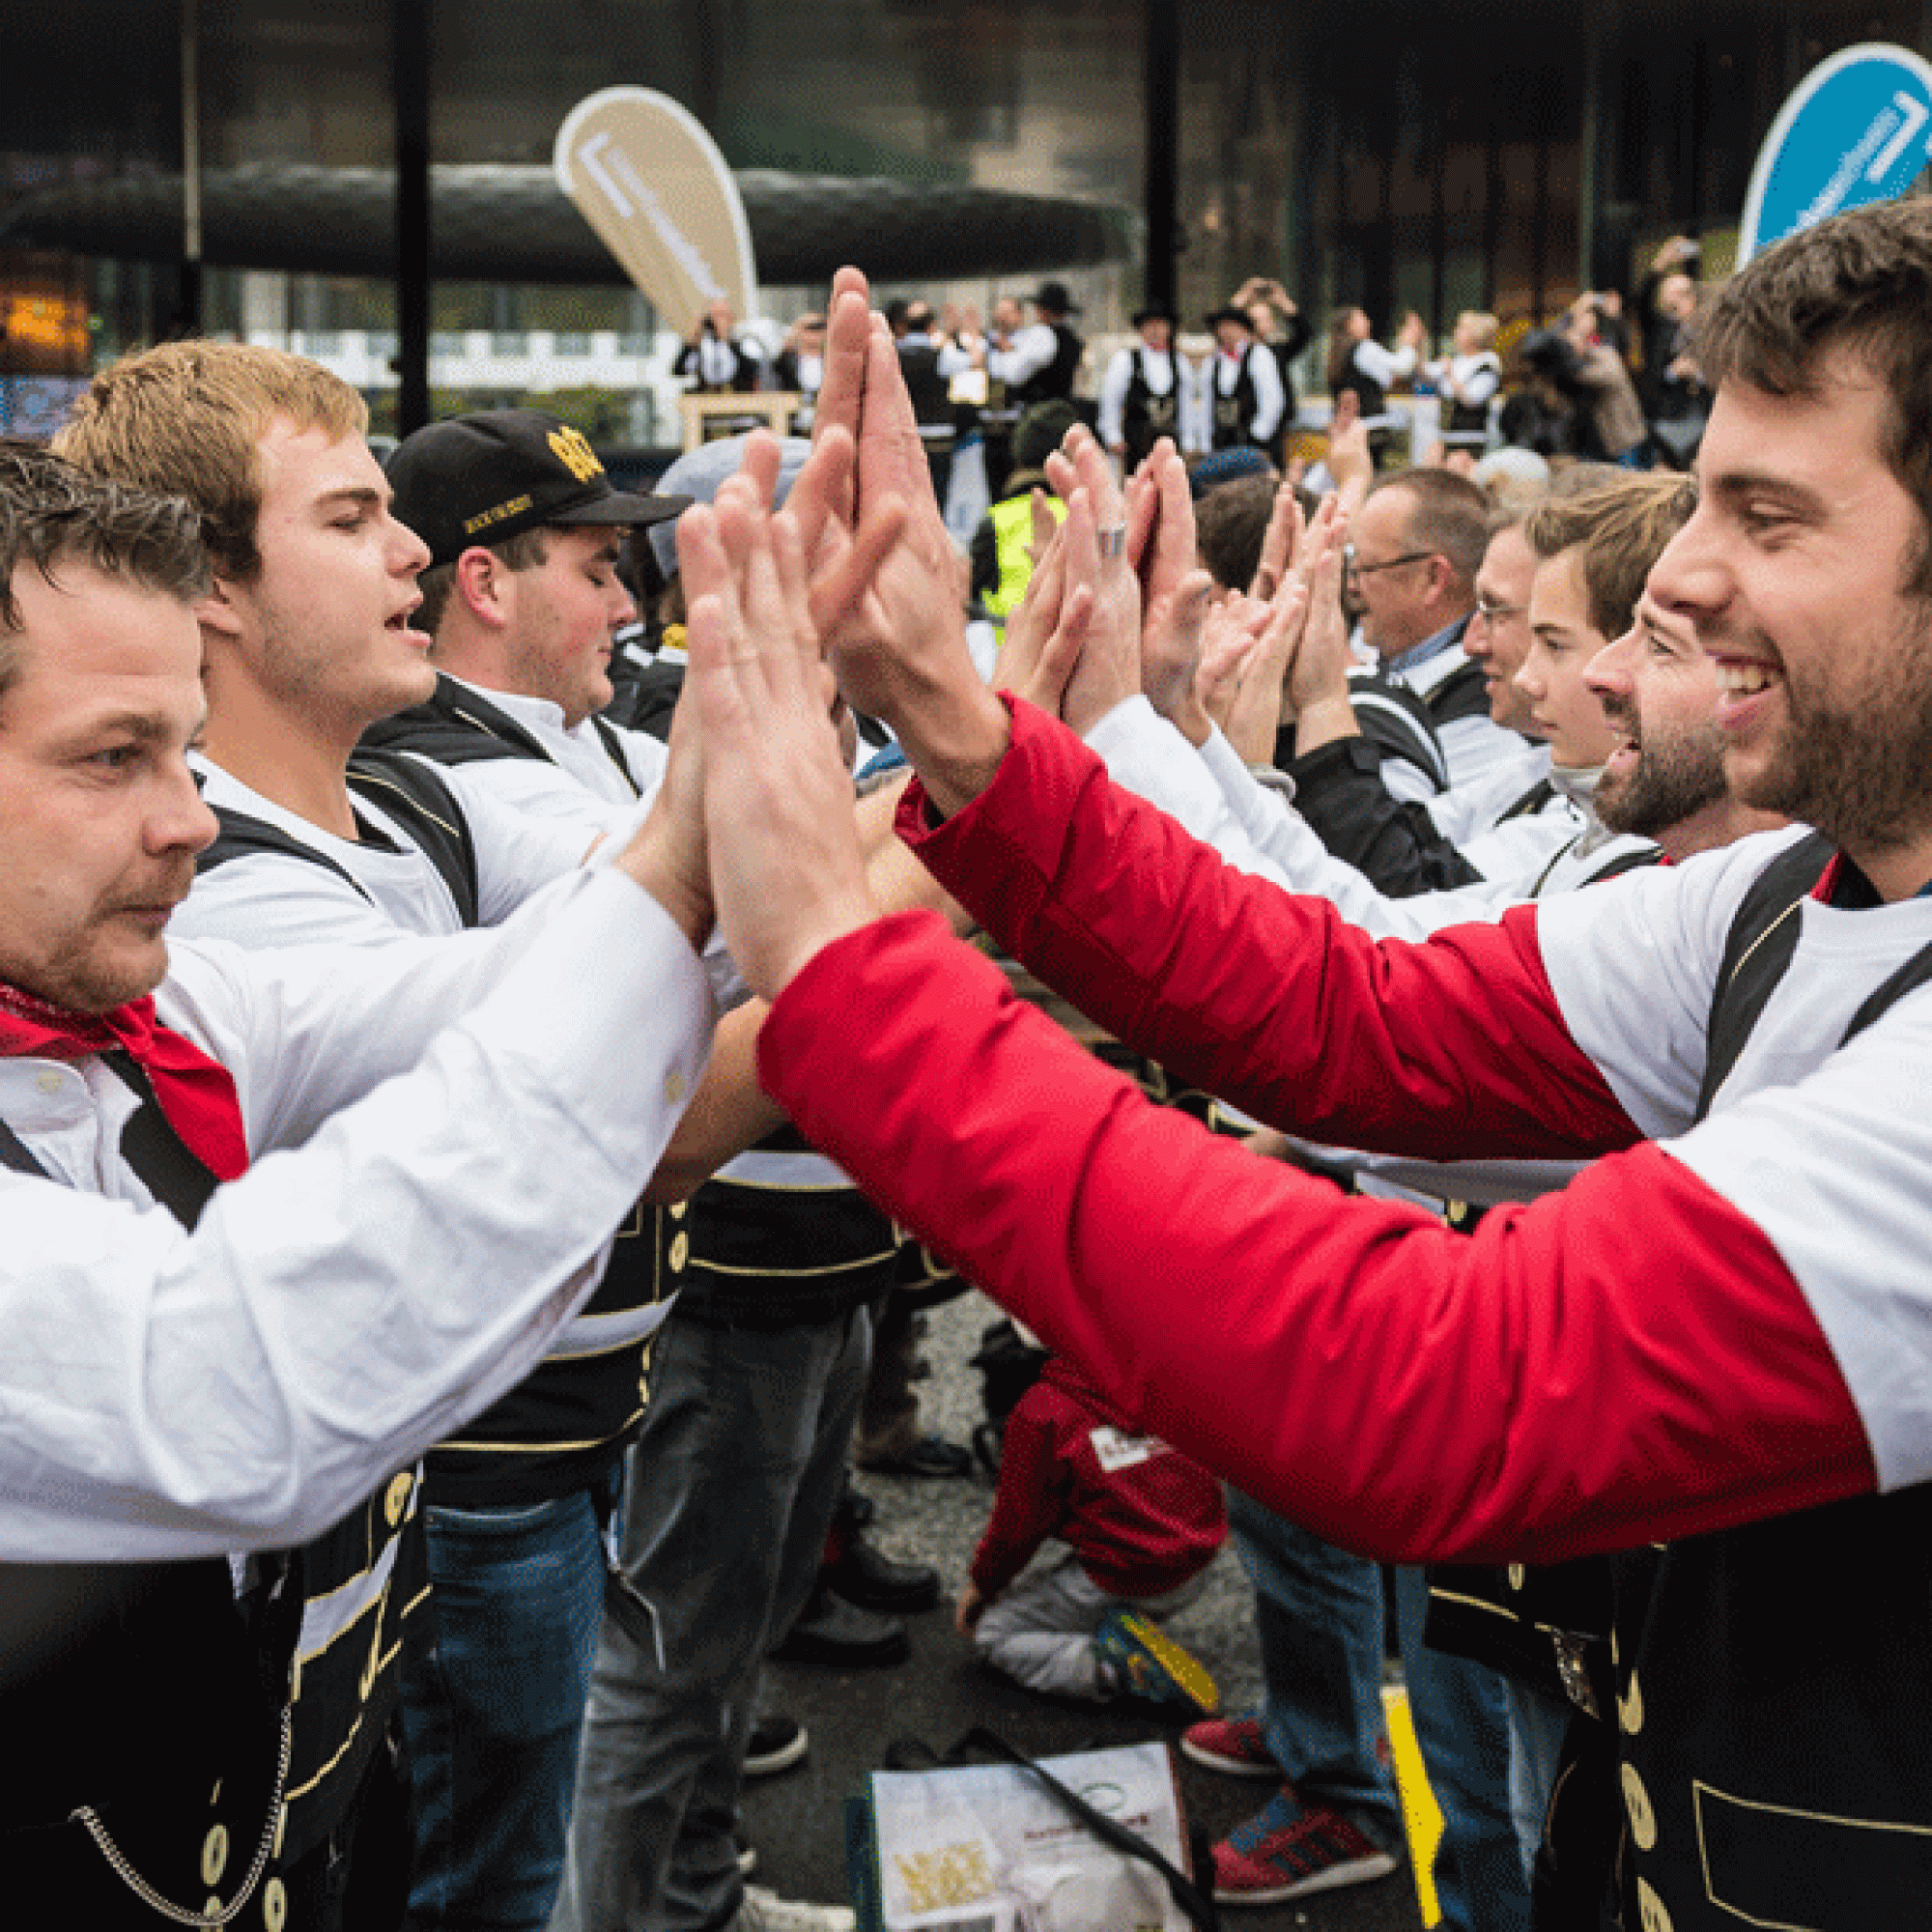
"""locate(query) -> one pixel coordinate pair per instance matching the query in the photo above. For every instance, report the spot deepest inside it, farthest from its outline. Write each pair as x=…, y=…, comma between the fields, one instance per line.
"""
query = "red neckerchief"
x=196, y=1093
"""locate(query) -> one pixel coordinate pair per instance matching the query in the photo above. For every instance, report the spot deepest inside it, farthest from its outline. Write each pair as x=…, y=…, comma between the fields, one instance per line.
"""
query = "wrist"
x=1190, y=718
x=1325, y=718
x=657, y=873
x=956, y=746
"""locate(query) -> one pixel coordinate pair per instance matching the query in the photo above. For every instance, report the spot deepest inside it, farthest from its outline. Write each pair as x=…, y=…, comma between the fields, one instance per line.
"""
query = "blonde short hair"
x=1483, y=323
x=187, y=419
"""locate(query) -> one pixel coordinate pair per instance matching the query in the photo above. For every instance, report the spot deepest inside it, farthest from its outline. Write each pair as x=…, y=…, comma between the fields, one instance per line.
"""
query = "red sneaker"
x=1235, y=1746
x=1286, y=1852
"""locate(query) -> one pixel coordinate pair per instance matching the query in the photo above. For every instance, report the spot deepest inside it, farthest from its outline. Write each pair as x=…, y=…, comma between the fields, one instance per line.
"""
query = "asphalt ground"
x=794, y=1819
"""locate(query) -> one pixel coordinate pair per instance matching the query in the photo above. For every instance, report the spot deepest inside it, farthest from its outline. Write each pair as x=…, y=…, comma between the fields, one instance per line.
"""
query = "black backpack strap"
x=1462, y=694
x=455, y=726
x=173, y=1175
x=241, y=834
x=420, y=799
x=1757, y=953
x=1624, y=862
x=1914, y=973
x=1399, y=724
x=1530, y=803
x=172, y=1172
x=615, y=746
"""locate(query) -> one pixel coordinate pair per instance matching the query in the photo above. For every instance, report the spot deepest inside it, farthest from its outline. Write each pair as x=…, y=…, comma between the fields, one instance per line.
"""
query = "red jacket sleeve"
x=1031, y=1499
x=1453, y=1048
x=1625, y=1361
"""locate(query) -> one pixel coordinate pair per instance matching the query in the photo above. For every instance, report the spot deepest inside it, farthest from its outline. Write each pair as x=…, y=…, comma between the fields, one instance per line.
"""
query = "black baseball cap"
x=480, y=478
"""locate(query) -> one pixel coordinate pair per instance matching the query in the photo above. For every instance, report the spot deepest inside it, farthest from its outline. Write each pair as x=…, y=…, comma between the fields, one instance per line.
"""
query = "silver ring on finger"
x=1112, y=542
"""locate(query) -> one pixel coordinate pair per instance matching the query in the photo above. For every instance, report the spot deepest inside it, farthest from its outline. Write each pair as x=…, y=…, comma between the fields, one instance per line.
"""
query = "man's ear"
x=480, y=582
x=220, y=612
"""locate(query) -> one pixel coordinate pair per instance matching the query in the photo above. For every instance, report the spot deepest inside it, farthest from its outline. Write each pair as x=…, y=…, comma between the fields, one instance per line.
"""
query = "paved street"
x=794, y=1819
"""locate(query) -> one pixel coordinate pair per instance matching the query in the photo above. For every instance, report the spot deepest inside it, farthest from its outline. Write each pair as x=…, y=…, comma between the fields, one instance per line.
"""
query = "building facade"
x=1500, y=156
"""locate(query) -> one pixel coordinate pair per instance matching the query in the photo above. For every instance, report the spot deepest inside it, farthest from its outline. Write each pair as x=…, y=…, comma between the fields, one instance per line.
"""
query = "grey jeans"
x=727, y=1499
x=1039, y=1629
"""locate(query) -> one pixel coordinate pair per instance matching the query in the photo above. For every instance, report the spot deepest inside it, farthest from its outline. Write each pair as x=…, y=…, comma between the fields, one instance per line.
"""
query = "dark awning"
x=514, y=224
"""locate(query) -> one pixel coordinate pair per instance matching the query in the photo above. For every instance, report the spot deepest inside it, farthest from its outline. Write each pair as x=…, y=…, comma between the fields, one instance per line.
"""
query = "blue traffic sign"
x=1857, y=129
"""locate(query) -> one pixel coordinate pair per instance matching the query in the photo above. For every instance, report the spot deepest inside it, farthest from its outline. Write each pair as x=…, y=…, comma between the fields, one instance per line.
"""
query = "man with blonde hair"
x=310, y=637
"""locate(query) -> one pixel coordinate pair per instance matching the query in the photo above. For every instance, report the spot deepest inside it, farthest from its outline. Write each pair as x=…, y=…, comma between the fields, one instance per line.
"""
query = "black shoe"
x=868, y=1577
x=929, y=1456
x=775, y=1743
x=837, y=1634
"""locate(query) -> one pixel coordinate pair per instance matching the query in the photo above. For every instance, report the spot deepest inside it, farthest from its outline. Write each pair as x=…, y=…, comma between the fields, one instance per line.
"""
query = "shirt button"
x=1516, y=1574
x=1644, y=1820
x=398, y=1498
x=674, y=1086
x=1654, y=1919
x=679, y=1210
x=680, y=1251
x=274, y=1905
x=214, y=1855
x=1630, y=1708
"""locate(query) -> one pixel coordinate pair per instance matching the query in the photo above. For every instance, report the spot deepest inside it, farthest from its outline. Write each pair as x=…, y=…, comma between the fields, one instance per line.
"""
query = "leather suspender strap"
x=149, y=1143
x=170, y=1172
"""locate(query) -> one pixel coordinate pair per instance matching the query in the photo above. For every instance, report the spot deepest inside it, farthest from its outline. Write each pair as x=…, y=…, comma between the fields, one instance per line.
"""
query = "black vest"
x=1146, y=417
x=933, y=411
x=783, y=1251
x=1373, y=398
x=460, y=726
x=157, y=1702
x=1462, y=694
x=1054, y=383
x=1773, y=1682
x=1235, y=410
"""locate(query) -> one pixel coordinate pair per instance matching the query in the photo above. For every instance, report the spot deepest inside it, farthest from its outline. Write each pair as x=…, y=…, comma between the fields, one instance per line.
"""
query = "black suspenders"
x=177, y=1177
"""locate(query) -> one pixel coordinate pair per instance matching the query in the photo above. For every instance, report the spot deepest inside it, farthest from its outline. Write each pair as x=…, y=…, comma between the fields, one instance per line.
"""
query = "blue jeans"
x=1319, y=1615
x=730, y=1494
x=1538, y=1725
x=493, y=1709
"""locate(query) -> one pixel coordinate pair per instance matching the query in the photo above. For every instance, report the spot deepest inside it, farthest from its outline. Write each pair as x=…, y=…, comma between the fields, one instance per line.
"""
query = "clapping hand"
x=782, y=845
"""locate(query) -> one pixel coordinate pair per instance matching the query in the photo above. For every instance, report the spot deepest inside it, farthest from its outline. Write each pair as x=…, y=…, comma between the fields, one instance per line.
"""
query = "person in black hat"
x=1040, y=363
x=1148, y=391
x=1241, y=384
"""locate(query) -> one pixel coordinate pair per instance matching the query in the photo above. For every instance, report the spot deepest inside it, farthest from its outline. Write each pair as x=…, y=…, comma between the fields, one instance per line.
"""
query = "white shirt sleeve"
x=345, y=1304
x=1465, y=811
x=1114, y=387
x=1384, y=365
x=1477, y=379
x=517, y=853
x=521, y=793
x=1214, y=797
x=1034, y=347
x=1266, y=374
